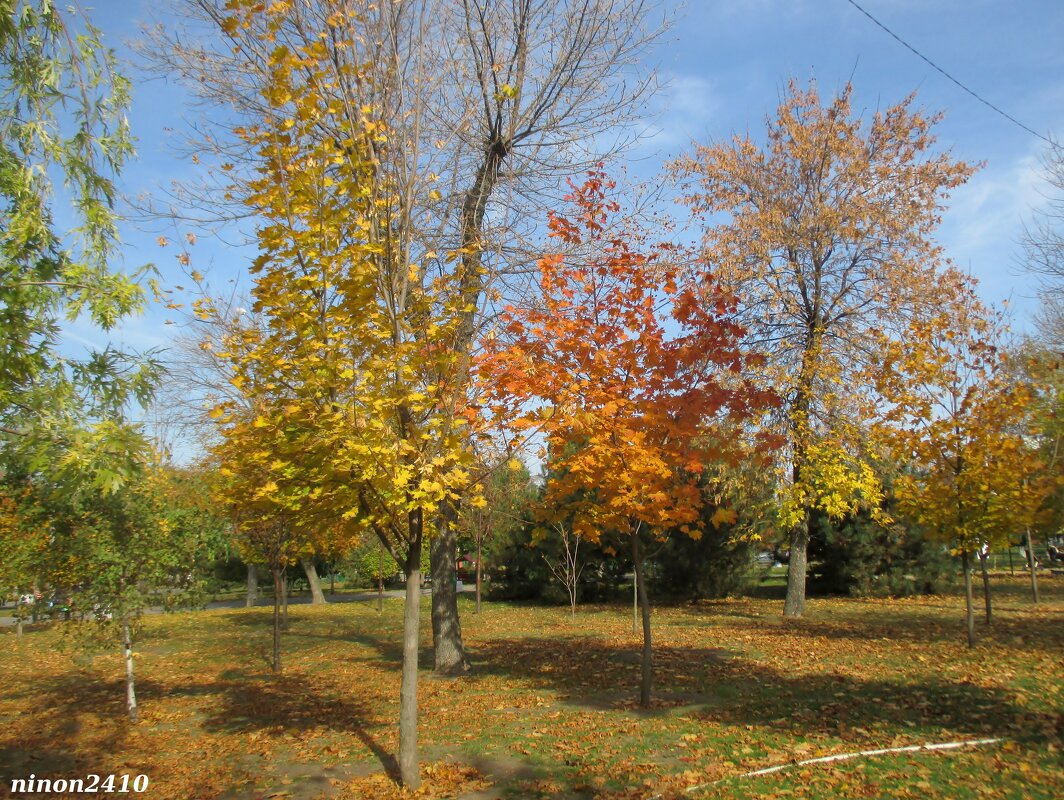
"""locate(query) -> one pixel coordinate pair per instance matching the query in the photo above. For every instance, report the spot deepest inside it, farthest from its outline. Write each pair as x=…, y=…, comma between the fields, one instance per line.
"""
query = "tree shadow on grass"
x=290, y=703
x=50, y=749
x=720, y=685
x=716, y=685
x=930, y=628
x=238, y=703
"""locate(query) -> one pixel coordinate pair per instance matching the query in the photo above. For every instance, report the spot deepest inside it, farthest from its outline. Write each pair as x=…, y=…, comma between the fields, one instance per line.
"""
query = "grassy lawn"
x=549, y=710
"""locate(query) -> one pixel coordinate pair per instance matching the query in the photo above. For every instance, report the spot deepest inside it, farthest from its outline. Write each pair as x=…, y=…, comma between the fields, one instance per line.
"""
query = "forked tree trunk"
x=448, y=650
x=1030, y=562
x=647, y=666
x=408, y=766
x=969, y=609
x=253, y=585
x=127, y=653
x=317, y=597
x=986, y=587
x=794, y=605
x=275, y=662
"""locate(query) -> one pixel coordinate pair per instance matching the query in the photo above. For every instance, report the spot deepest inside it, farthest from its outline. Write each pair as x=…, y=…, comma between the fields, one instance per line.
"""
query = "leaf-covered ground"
x=549, y=710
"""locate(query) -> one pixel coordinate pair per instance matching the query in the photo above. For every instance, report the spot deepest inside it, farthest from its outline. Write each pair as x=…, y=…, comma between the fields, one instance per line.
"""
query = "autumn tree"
x=825, y=236
x=621, y=370
x=568, y=567
x=351, y=376
x=505, y=487
x=955, y=424
x=1039, y=370
x=113, y=553
x=487, y=106
x=263, y=494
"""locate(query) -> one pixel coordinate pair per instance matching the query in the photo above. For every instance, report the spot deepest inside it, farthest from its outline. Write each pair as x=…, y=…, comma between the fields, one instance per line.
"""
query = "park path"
x=267, y=601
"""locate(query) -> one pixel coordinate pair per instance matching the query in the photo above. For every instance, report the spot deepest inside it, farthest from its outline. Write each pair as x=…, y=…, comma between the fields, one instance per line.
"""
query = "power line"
x=935, y=66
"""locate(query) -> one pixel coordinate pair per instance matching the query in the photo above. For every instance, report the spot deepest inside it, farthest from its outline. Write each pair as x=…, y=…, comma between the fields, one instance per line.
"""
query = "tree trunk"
x=449, y=651
x=450, y=657
x=317, y=597
x=408, y=767
x=253, y=585
x=332, y=580
x=635, y=599
x=969, y=610
x=284, y=598
x=647, y=663
x=380, y=582
x=478, y=575
x=1030, y=561
x=986, y=587
x=794, y=605
x=275, y=663
x=127, y=652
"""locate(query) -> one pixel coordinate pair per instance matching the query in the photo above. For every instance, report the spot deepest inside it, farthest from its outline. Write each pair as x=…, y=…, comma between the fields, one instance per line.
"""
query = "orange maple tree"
x=622, y=373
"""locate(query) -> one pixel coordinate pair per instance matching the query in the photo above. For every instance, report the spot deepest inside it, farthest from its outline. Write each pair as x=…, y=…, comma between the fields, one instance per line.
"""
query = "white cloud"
x=686, y=109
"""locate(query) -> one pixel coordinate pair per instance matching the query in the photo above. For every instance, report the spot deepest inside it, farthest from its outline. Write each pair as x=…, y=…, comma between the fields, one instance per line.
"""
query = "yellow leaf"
x=723, y=516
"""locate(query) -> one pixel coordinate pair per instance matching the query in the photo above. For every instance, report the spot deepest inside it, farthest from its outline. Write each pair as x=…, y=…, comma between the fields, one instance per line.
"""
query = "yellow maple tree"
x=955, y=424
x=351, y=419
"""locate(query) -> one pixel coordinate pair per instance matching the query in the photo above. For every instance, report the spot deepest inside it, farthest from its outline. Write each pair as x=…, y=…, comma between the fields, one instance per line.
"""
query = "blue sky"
x=726, y=65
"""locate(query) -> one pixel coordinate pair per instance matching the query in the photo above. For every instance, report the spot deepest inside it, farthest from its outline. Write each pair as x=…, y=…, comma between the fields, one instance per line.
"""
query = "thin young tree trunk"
x=317, y=597
x=969, y=610
x=986, y=587
x=332, y=580
x=380, y=582
x=127, y=652
x=408, y=766
x=794, y=605
x=478, y=574
x=253, y=585
x=635, y=599
x=275, y=664
x=574, y=578
x=647, y=665
x=284, y=598
x=448, y=650
x=1030, y=561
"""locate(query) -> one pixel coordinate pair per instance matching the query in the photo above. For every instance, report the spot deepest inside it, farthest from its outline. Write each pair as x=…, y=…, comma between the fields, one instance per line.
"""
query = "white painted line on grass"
x=885, y=751
x=914, y=748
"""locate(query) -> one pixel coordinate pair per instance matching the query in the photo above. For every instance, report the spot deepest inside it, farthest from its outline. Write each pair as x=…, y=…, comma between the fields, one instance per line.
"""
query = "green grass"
x=549, y=709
